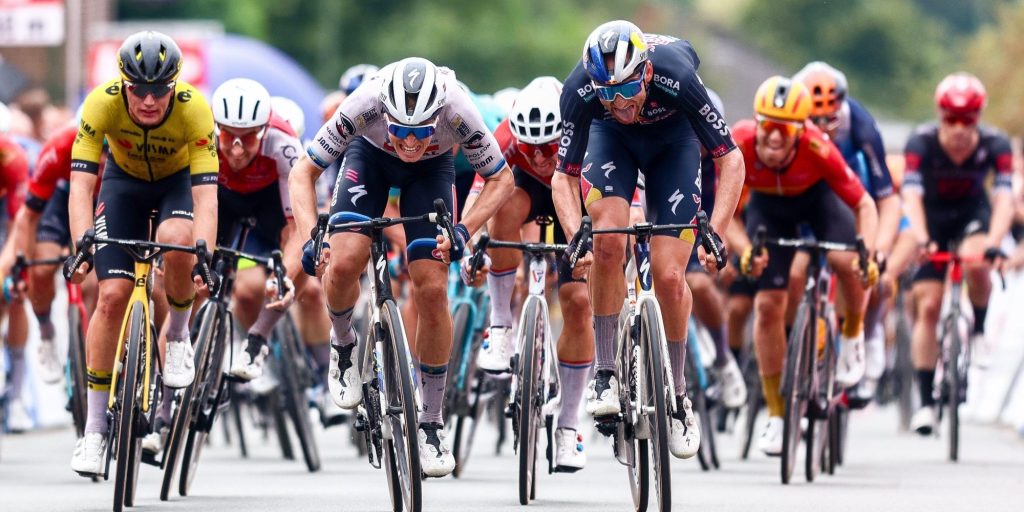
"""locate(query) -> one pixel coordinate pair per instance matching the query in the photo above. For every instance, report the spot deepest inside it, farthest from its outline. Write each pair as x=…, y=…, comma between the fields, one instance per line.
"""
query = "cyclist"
x=853, y=130
x=529, y=141
x=398, y=129
x=14, y=168
x=708, y=301
x=947, y=164
x=354, y=76
x=41, y=230
x=795, y=175
x=163, y=157
x=635, y=103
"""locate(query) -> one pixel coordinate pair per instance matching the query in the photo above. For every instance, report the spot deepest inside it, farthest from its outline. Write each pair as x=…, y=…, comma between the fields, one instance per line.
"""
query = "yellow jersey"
x=185, y=137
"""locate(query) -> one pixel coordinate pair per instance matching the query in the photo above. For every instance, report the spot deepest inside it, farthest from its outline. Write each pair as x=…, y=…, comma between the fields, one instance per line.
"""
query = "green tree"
x=994, y=55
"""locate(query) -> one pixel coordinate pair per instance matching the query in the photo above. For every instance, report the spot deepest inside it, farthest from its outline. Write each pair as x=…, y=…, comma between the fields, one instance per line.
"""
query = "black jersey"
x=944, y=183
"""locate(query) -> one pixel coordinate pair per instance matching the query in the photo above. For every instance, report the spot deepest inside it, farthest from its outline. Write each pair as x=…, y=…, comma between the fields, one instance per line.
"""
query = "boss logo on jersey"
x=714, y=119
x=586, y=90
x=667, y=82
x=184, y=96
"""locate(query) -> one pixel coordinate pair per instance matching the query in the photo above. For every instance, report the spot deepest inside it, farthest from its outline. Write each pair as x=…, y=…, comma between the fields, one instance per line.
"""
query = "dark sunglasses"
x=158, y=90
x=965, y=118
x=401, y=131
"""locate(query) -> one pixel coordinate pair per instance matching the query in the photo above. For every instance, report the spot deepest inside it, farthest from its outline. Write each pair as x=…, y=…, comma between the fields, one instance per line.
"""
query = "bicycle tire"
x=834, y=441
x=280, y=418
x=904, y=372
x=294, y=382
x=455, y=398
x=528, y=409
x=652, y=338
x=398, y=392
x=129, y=443
x=817, y=430
x=206, y=408
x=755, y=401
x=182, y=419
x=954, y=376
x=795, y=373
x=76, y=370
x=697, y=401
x=466, y=424
x=639, y=472
x=236, y=413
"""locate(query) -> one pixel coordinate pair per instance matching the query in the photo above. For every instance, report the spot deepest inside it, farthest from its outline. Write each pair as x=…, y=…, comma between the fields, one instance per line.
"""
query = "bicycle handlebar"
x=702, y=228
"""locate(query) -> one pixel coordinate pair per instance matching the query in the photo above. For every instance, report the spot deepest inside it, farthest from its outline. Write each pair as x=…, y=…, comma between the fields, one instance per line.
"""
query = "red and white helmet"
x=961, y=93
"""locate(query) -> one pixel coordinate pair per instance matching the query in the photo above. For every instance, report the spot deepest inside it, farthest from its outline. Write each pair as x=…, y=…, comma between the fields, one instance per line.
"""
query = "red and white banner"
x=31, y=22
x=102, y=62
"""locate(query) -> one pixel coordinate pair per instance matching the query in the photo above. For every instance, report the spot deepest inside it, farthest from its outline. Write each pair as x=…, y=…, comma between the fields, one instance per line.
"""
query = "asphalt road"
x=885, y=470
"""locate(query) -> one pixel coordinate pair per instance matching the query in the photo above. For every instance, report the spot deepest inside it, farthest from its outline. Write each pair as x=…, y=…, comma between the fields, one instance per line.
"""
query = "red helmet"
x=961, y=93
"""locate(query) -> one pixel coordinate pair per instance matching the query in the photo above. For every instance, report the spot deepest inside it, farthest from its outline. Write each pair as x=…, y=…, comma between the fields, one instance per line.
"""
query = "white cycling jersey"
x=362, y=115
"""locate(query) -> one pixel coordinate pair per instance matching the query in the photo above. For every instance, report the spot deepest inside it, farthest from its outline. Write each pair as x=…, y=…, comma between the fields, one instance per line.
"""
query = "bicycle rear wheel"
x=528, y=406
x=904, y=371
x=467, y=422
x=794, y=386
x=456, y=398
x=129, y=442
x=76, y=370
x=399, y=399
x=295, y=379
x=755, y=400
x=655, y=408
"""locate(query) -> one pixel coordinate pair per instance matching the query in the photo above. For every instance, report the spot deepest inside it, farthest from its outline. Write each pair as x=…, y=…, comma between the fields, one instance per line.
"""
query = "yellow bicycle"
x=134, y=385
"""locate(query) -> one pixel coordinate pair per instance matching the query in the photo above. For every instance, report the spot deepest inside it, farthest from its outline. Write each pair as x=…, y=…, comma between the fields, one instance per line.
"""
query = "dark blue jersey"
x=861, y=144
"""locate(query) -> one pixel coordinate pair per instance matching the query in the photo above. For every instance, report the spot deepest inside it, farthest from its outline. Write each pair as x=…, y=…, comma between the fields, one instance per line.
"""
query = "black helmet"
x=149, y=57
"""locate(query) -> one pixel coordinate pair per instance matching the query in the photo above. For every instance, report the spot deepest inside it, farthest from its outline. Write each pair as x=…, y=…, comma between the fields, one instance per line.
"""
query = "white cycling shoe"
x=51, y=369
x=770, y=441
x=732, y=385
x=18, y=418
x=603, y=394
x=90, y=451
x=153, y=442
x=250, y=361
x=684, y=432
x=569, y=454
x=923, y=421
x=495, y=353
x=851, y=364
x=180, y=367
x=345, y=386
x=436, y=459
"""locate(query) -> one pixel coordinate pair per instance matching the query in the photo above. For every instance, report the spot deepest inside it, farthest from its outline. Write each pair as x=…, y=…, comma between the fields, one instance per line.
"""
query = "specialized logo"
x=675, y=199
x=606, y=39
x=357, y=192
x=381, y=266
x=413, y=75
x=608, y=167
x=645, y=271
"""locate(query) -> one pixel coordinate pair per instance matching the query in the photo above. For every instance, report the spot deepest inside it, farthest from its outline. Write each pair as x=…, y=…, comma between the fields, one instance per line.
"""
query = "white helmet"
x=412, y=91
x=506, y=97
x=354, y=76
x=621, y=39
x=535, y=117
x=5, y=118
x=241, y=103
x=291, y=112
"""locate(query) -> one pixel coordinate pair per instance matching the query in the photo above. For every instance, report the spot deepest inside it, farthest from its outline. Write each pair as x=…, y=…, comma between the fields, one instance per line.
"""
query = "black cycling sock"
x=925, y=386
x=979, y=319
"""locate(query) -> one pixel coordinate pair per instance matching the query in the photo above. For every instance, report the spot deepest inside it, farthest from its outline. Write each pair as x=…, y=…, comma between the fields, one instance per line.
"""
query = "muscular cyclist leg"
x=41, y=289
x=348, y=255
x=506, y=225
x=100, y=346
x=669, y=256
x=433, y=332
x=607, y=279
x=738, y=308
x=924, y=348
x=248, y=295
x=979, y=282
x=707, y=307
x=312, y=321
x=770, y=344
x=15, y=341
x=575, y=350
x=177, y=280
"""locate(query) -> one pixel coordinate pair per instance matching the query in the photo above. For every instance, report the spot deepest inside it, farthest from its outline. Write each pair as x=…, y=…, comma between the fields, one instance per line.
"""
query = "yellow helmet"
x=781, y=98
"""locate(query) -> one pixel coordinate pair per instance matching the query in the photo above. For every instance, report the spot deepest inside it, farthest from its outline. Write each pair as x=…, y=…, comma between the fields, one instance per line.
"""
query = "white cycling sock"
x=501, y=284
x=96, y=419
x=265, y=322
x=677, y=356
x=432, y=380
x=604, y=340
x=17, y=377
x=573, y=378
x=342, y=322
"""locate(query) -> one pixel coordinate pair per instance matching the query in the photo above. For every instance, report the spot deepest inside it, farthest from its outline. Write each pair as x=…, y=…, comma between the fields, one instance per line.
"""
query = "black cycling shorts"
x=668, y=154
x=829, y=219
x=122, y=211
x=366, y=175
x=264, y=206
x=952, y=223
x=54, y=224
x=542, y=205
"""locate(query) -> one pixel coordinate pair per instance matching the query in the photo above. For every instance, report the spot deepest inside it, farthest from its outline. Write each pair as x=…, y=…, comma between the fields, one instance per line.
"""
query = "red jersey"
x=279, y=151
x=13, y=173
x=816, y=159
x=52, y=166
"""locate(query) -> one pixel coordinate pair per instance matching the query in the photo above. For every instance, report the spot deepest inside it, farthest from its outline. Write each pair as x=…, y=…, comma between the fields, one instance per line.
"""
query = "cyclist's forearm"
x=1002, y=217
x=736, y=236
x=23, y=238
x=730, y=185
x=80, y=203
x=867, y=222
x=291, y=247
x=565, y=193
x=302, y=189
x=496, y=190
x=889, y=214
x=204, y=206
x=914, y=208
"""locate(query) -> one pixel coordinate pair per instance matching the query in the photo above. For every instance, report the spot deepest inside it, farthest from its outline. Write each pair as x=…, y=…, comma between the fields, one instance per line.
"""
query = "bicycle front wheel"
x=129, y=439
x=796, y=371
x=954, y=378
x=629, y=447
x=652, y=338
x=399, y=411
x=528, y=375
x=208, y=403
x=76, y=370
x=296, y=378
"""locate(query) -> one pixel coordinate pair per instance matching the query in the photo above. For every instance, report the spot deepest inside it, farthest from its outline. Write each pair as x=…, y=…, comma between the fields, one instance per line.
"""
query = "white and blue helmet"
x=620, y=39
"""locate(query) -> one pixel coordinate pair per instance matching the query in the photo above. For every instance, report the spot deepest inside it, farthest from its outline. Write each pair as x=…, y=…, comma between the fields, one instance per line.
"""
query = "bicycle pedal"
x=150, y=458
x=608, y=425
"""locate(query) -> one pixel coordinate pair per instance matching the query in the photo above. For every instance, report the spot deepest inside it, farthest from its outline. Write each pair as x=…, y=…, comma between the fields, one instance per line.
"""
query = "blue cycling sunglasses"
x=401, y=131
x=627, y=90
